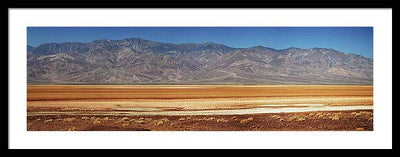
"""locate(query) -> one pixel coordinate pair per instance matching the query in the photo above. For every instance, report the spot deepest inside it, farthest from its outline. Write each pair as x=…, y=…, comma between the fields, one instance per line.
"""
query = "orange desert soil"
x=199, y=107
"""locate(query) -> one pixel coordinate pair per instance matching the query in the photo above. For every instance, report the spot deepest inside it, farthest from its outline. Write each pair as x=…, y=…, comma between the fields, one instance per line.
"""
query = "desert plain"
x=199, y=107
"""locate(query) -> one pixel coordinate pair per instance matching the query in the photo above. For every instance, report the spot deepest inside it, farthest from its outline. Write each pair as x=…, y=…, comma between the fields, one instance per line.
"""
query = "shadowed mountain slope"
x=139, y=61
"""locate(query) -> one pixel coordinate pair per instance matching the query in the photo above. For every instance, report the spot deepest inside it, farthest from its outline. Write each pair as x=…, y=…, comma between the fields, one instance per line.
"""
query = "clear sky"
x=358, y=40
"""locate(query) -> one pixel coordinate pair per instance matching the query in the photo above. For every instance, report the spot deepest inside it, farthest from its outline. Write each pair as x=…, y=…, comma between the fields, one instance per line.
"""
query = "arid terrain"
x=146, y=62
x=199, y=107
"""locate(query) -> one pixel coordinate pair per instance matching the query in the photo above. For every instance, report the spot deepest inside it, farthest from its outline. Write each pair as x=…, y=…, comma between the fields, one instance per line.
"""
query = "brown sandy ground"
x=60, y=100
x=90, y=92
x=358, y=120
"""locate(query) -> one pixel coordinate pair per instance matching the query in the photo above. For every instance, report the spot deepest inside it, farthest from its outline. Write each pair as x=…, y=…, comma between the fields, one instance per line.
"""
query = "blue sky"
x=358, y=40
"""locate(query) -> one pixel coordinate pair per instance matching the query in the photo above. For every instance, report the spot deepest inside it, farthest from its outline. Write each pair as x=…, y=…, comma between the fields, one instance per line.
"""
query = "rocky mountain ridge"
x=140, y=61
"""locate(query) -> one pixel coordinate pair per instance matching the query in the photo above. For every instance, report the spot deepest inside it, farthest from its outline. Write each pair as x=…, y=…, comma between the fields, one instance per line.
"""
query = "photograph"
x=200, y=79
x=205, y=78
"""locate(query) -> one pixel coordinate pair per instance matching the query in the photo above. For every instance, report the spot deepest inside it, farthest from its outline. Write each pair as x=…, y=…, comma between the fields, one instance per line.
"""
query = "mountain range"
x=140, y=61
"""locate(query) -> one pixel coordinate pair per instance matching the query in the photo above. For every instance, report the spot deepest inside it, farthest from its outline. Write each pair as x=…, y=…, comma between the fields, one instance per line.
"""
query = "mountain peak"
x=29, y=47
x=209, y=43
x=101, y=41
x=261, y=47
x=135, y=39
x=292, y=48
x=258, y=47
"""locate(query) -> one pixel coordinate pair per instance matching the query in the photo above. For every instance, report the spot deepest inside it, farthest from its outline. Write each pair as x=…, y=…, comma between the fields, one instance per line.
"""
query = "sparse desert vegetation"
x=199, y=108
x=343, y=120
